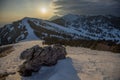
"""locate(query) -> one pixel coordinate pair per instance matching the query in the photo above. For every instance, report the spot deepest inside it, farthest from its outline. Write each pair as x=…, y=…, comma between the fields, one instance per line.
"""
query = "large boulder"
x=37, y=56
x=28, y=53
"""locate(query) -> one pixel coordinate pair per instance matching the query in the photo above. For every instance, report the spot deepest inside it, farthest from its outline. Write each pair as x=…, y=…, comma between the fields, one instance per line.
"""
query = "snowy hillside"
x=92, y=27
x=67, y=27
x=81, y=64
x=17, y=31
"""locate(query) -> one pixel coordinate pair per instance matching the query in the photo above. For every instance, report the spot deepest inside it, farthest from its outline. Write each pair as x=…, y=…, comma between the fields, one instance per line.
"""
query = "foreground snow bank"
x=63, y=70
x=89, y=64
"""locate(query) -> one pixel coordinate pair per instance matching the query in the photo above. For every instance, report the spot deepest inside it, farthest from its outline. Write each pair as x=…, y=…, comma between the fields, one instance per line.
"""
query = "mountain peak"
x=26, y=18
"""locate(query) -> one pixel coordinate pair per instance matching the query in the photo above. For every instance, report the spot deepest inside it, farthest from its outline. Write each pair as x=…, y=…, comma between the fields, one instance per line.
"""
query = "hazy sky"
x=12, y=10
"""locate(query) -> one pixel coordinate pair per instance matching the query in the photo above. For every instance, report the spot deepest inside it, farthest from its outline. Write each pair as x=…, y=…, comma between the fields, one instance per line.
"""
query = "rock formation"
x=37, y=56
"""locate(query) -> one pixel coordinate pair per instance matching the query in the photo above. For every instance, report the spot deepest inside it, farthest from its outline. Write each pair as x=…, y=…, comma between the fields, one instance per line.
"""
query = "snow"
x=57, y=36
x=5, y=34
x=8, y=38
x=81, y=64
x=31, y=35
x=96, y=23
x=19, y=26
x=64, y=70
x=22, y=36
x=45, y=34
x=81, y=31
x=64, y=29
x=11, y=28
x=84, y=30
x=54, y=27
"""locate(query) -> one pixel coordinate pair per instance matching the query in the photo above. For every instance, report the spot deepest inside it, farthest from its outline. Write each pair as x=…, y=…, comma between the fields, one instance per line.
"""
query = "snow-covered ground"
x=81, y=64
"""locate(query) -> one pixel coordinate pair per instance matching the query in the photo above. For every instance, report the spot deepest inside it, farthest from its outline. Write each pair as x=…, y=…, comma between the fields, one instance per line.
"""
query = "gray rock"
x=27, y=54
x=37, y=56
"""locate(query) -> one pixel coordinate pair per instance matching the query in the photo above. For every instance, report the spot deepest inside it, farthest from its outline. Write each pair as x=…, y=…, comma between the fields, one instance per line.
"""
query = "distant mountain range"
x=68, y=27
x=54, y=17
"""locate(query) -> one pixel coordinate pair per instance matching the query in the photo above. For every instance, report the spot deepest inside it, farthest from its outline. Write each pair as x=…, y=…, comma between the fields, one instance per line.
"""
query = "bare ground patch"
x=5, y=50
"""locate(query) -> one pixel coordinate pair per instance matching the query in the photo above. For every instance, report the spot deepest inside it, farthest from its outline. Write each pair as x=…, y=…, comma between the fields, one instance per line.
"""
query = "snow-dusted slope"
x=31, y=34
x=17, y=31
x=67, y=27
x=81, y=64
x=92, y=27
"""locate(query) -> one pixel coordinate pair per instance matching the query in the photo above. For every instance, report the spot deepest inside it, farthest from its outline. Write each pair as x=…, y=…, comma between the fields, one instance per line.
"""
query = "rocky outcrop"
x=37, y=56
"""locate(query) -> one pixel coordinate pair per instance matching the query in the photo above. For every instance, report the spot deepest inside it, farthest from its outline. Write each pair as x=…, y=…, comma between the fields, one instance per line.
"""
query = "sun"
x=43, y=10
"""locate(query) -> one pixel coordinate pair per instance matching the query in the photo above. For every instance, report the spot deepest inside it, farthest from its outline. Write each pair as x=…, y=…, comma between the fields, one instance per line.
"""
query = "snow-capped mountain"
x=92, y=27
x=67, y=27
x=32, y=29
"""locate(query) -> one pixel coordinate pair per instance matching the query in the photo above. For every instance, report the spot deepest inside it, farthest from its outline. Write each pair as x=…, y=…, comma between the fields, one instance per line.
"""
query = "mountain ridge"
x=68, y=27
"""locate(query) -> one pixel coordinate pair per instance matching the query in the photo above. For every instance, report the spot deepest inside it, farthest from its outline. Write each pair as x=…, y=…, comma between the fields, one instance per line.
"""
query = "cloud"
x=87, y=7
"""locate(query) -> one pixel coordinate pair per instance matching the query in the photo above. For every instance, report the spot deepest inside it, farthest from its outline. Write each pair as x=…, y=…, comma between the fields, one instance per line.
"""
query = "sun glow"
x=43, y=10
